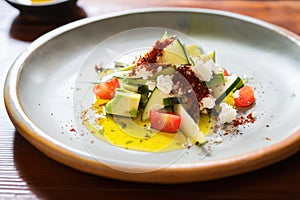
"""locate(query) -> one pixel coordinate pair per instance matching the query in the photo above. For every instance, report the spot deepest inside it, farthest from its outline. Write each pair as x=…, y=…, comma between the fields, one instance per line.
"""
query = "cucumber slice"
x=189, y=127
x=231, y=83
x=143, y=101
x=169, y=109
x=143, y=89
x=155, y=102
x=172, y=101
x=174, y=54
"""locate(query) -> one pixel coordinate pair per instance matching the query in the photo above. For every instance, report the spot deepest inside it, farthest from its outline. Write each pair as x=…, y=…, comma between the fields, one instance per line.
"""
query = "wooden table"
x=28, y=174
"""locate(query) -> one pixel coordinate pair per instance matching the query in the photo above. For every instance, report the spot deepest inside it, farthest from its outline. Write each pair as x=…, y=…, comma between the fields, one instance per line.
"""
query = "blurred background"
x=43, y=18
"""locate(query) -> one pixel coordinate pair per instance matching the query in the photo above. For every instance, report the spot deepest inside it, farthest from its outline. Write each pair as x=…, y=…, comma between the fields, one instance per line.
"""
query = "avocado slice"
x=124, y=104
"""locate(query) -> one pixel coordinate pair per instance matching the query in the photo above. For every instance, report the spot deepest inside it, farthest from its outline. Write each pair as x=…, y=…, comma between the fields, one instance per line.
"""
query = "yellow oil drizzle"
x=135, y=134
x=206, y=124
x=138, y=137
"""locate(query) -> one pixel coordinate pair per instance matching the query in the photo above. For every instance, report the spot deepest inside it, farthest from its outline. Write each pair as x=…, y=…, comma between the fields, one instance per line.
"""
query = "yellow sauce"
x=136, y=135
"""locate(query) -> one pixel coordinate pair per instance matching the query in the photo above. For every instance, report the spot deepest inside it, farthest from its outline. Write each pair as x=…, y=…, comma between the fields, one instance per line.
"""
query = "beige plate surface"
x=44, y=93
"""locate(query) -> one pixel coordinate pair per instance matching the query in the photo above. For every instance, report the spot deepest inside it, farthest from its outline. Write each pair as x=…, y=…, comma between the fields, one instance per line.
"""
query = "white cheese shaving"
x=159, y=69
x=217, y=69
x=236, y=94
x=227, y=114
x=164, y=83
x=151, y=84
x=208, y=102
x=202, y=71
x=213, y=66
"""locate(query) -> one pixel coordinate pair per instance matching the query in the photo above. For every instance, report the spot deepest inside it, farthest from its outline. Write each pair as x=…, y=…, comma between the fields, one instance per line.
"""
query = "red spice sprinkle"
x=250, y=118
x=226, y=132
x=73, y=130
x=242, y=120
x=193, y=89
x=156, y=52
x=149, y=60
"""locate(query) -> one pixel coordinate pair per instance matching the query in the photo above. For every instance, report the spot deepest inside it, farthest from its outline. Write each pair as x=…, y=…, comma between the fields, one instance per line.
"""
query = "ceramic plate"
x=46, y=91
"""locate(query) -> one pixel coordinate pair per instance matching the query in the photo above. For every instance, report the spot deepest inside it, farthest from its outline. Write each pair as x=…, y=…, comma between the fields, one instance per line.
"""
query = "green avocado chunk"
x=124, y=104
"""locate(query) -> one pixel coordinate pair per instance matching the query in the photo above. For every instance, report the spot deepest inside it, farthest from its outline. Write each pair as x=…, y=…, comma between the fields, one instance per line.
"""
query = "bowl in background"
x=42, y=7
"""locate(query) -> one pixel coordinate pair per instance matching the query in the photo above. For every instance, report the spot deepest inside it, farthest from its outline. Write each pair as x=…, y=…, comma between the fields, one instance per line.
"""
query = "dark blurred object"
x=42, y=8
x=28, y=26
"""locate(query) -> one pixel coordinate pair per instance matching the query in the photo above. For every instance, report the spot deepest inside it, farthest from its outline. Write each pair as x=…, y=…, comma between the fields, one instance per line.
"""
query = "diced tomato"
x=106, y=90
x=165, y=121
x=246, y=97
x=226, y=73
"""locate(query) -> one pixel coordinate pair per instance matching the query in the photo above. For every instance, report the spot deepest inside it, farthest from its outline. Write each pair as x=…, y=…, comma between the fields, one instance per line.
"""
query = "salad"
x=171, y=87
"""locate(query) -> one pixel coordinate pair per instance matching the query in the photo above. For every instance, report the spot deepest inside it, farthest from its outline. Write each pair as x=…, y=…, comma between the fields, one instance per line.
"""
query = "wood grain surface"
x=26, y=173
